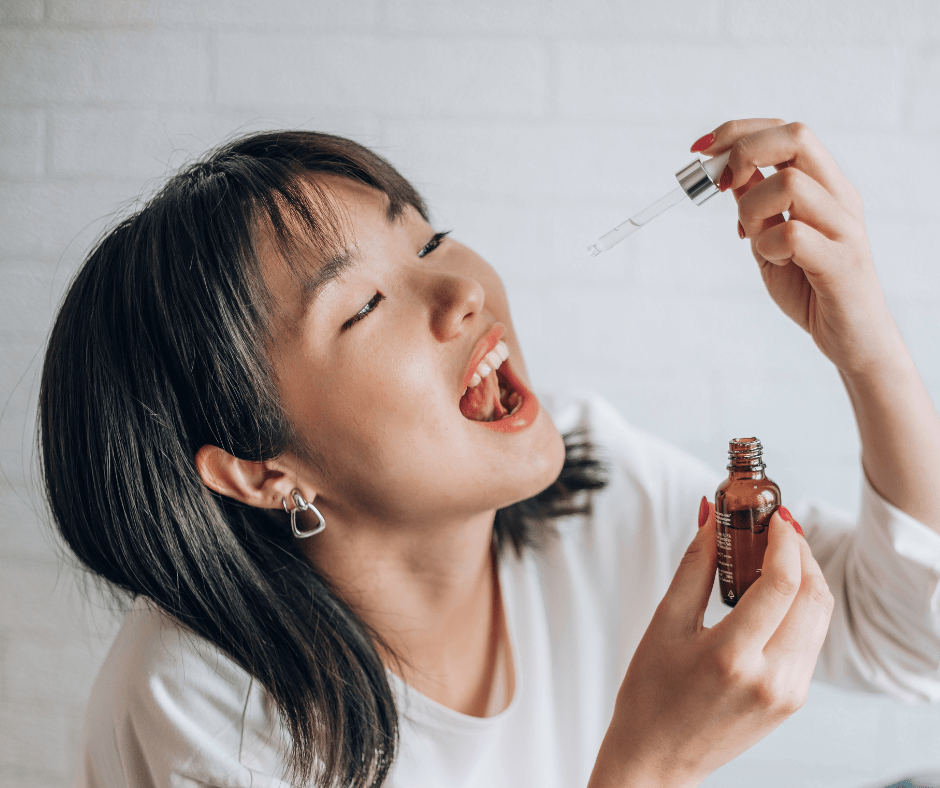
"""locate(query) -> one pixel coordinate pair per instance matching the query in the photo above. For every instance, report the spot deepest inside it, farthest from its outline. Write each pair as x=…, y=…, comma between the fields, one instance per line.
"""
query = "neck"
x=431, y=596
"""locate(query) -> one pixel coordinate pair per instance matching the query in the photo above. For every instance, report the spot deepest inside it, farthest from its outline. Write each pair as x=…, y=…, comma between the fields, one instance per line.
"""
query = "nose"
x=453, y=299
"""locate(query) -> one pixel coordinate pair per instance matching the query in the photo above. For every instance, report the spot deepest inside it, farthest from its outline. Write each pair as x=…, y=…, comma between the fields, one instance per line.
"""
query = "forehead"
x=325, y=215
x=315, y=220
x=302, y=248
x=357, y=200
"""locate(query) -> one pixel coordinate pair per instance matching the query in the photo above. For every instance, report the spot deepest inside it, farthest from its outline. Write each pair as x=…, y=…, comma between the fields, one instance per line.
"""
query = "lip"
x=530, y=407
x=522, y=418
x=483, y=346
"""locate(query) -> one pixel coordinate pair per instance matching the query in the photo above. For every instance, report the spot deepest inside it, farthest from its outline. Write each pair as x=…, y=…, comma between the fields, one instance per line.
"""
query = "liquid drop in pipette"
x=698, y=181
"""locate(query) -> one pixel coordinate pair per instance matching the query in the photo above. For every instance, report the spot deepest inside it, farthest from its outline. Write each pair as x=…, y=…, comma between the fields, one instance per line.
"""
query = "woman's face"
x=372, y=366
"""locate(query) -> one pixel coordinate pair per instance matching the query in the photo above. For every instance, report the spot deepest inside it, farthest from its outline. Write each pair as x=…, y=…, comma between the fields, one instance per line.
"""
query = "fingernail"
x=725, y=181
x=703, y=512
x=785, y=514
x=740, y=230
x=703, y=143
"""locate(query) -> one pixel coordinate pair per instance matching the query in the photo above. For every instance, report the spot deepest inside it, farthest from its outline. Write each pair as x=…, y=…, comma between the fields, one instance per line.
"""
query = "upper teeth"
x=491, y=361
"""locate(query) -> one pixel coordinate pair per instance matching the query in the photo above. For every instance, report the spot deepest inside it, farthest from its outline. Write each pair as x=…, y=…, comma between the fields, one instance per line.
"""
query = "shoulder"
x=157, y=663
x=167, y=704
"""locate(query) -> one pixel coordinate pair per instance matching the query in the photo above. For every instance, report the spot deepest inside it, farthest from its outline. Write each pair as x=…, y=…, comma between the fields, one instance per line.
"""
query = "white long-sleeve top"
x=169, y=709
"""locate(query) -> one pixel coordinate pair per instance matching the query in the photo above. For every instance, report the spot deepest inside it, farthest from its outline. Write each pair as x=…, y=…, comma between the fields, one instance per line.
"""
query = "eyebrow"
x=334, y=268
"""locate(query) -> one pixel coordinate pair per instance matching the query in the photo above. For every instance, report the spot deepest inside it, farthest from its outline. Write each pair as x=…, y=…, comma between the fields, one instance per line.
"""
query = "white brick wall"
x=532, y=126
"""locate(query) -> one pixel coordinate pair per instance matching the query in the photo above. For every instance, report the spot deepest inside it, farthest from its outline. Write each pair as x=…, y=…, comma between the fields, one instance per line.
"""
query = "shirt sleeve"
x=883, y=570
x=885, y=576
x=168, y=709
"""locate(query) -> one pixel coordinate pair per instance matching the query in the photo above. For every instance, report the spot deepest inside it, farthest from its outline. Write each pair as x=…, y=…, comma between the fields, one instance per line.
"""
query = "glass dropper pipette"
x=698, y=181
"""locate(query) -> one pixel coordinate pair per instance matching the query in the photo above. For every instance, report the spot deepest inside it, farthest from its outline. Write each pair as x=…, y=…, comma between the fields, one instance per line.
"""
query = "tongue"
x=481, y=403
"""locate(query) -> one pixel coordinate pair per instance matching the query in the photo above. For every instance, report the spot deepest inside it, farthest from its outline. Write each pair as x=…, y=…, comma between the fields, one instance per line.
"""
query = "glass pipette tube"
x=634, y=223
x=698, y=181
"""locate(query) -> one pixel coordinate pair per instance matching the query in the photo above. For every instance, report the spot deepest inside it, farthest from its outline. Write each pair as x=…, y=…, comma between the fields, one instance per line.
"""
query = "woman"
x=280, y=346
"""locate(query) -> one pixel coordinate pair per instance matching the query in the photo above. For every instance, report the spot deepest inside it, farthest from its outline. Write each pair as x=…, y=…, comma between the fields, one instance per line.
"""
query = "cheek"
x=496, y=301
x=373, y=414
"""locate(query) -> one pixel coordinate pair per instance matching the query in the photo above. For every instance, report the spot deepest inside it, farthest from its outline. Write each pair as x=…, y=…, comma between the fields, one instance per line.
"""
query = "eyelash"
x=429, y=247
x=364, y=312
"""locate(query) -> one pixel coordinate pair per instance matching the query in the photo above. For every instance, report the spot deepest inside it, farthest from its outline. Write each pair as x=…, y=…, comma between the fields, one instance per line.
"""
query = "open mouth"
x=494, y=398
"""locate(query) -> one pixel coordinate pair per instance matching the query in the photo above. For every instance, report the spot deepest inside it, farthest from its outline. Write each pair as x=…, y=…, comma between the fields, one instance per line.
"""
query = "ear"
x=260, y=484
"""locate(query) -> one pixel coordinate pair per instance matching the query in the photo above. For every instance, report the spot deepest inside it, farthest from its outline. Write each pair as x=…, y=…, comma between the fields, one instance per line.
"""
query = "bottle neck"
x=745, y=459
x=751, y=473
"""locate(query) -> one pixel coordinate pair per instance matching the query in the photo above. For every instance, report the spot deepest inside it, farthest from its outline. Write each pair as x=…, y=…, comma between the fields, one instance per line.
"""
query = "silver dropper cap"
x=699, y=179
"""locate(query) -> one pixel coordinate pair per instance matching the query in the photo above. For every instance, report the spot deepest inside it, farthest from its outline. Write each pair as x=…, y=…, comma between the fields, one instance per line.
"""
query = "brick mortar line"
x=626, y=36
x=606, y=37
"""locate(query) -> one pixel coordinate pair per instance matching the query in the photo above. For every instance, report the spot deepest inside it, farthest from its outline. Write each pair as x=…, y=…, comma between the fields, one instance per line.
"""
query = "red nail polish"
x=703, y=512
x=703, y=143
x=785, y=514
x=725, y=181
x=740, y=230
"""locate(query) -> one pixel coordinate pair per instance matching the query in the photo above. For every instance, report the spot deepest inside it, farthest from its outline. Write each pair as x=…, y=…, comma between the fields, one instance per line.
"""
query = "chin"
x=541, y=464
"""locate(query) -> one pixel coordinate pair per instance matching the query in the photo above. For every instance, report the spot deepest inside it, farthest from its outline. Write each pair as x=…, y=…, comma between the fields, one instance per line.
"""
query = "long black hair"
x=160, y=348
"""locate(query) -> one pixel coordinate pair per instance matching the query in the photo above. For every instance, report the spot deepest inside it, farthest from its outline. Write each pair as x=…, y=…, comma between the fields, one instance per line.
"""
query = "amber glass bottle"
x=744, y=503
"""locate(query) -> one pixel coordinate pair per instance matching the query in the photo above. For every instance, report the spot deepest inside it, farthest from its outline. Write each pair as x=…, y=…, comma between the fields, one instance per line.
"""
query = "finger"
x=683, y=606
x=756, y=178
x=800, y=636
x=759, y=612
x=796, y=242
x=793, y=191
x=792, y=144
x=730, y=132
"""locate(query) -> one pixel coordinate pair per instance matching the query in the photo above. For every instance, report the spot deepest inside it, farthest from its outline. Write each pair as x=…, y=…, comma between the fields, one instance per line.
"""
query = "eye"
x=376, y=300
x=431, y=245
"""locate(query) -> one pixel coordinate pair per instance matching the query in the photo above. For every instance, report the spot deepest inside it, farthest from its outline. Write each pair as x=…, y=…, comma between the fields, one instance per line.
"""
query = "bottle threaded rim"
x=745, y=454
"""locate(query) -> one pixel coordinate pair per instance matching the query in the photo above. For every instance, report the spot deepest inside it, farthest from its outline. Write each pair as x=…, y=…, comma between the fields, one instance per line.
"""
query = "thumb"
x=684, y=605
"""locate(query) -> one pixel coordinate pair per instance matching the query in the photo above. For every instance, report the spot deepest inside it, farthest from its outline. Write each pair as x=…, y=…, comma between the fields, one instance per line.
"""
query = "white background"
x=531, y=127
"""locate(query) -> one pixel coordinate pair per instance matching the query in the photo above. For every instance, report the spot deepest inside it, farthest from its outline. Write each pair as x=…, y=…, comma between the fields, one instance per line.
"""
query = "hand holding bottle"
x=694, y=698
x=817, y=266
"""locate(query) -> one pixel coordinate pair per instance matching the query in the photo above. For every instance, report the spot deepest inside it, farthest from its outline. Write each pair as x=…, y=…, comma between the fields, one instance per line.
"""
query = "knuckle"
x=817, y=590
x=792, y=700
x=792, y=233
x=800, y=133
x=731, y=128
x=749, y=209
x=785, y=585
x=776, y=695
x=742, y=150
x=731, y=668
x=764, y=694
x=791, y=178
x=797, y=697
